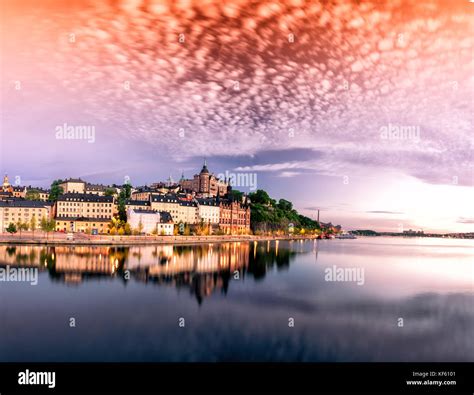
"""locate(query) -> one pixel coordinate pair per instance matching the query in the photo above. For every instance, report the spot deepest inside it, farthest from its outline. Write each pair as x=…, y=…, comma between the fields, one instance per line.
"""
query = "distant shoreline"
x=104, y=240
x=143, y=240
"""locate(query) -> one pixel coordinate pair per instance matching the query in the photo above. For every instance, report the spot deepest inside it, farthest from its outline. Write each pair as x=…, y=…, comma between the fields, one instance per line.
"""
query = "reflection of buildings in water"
x=201, y=268
x=72, y=263
x=170, y=260
x=67, y=263
x=25, y=255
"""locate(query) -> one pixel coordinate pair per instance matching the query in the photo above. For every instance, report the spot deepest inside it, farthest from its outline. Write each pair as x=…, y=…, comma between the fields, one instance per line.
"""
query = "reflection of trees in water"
x=11, y=251
x=200, y=285
x=262, y=259
x=203, y=269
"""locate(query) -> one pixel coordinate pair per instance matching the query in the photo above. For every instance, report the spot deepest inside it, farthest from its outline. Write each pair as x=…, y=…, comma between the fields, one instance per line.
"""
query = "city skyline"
x=331, y=106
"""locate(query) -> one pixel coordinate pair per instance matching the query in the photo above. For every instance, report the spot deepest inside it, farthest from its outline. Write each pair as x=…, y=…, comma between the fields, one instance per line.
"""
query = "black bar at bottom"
x=241, y=377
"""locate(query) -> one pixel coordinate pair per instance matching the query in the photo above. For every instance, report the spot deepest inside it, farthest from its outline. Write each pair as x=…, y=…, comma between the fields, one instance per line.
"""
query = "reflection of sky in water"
x=427, y=282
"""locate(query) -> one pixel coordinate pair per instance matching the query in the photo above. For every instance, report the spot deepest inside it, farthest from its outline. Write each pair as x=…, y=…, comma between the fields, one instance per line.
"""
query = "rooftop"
x=131, y=202
x=25, y=203
x=85, y=197
x=207, y=202
x=165, y=217
x=142, y=211
x=73, y=180
x=169, y=198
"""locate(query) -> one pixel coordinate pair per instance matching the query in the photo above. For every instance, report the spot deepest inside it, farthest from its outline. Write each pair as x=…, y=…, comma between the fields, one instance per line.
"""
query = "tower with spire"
x=205, y=184
x=6, y=186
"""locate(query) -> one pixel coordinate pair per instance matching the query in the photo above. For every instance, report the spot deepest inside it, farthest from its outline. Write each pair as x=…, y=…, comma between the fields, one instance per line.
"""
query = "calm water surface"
x=237, y=300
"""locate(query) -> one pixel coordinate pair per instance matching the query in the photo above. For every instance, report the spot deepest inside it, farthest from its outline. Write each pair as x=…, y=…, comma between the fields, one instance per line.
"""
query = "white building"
x=166, y=225
x=150, y=221
x=208, y=211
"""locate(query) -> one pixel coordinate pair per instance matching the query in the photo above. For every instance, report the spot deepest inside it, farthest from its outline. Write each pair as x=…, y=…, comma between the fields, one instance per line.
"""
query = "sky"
x=361, y=110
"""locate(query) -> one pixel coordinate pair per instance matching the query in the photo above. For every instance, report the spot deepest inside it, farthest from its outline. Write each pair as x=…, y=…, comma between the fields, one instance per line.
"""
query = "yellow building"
x=82, y=225
x=73, y=185
x=84, y=205
x=188, y=212
x=23, y=211
x=208, y=211
x=169, y=203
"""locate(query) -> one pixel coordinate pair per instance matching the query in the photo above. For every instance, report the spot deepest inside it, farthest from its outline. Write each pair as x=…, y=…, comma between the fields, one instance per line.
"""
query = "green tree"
x=140, y=226
x=260, y=197
x=285, y=205
x=56, y=190
x=236, y=195
x=187, y=230
x=47, y=225
x=11, y=228
x=21, y=226
x=32, y=194
x=43, y=224
x=124, y=194
x=110, y=192
x=268, y=216
x=33, y=224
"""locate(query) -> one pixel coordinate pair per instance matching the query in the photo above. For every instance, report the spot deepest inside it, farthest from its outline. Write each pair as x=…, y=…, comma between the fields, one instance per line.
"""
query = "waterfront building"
x=150, y=221
x=204, y=184
x=168, y=202
x=187, y=212
x=182, y=208
x=82, y=224
x=137, y=204
x=166, y=224
x=208, y=211
x=15, y=211
x=234, y=216
x=144, y=221
x=84, y=205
